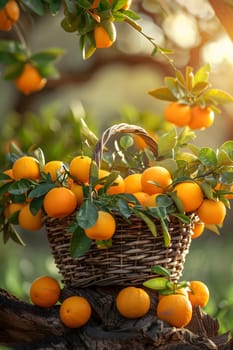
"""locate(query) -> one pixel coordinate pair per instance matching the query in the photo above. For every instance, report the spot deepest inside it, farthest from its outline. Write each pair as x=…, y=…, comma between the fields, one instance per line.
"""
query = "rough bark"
x=26, y=326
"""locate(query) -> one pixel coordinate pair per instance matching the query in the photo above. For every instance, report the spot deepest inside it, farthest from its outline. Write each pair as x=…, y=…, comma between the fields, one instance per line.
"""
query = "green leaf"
x=20, y=187
x=175, y=89
x=48, y=70
x=217, y=96
x=162, y=93
x=54, y=6
x=36, y=204
x=123, y=208
x=47, y=56
x=14, y=235
x=160, y=270
x=34, y=5
x=85, y=4
x=228, y=148
x=207, y=190
x=13, y=47
x=40, y=190
x=3, y=3
x=13, y=70
x=157, y=283
x=202, y=75
x=223, y=158
x=149, y=223
x=167, y=142
x=126, y=141
x=87, y=214
x=207, y=157
x=199, y=88
x=80, y=243
x=166, y=234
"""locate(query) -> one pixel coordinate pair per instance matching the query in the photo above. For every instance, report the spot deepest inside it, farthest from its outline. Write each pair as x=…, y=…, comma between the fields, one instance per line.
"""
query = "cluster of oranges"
x=131, y=302
x=65, y=194
x=195, y=117
x=9, y=15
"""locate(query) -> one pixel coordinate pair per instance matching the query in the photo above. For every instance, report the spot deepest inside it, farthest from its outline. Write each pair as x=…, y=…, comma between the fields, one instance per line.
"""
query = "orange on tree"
x=9, y=15
x=54, y=168
x=133, y=183
x=26, y=167
x=45, y=291
x=190, y=194
x=104, y=227
x=104, y=34
x=29, y=221
x=13, y=208
x=80, y=168
x=59, y=202
x=155, y=179
x=118, y=186
x=175, y=309
x=198, y=294
x=198, y=229
x=201, y=118
x=178, y=114
x=75, y=311
x=212, y=212
x=133, y=302
x=30, y=80
x=141, y=197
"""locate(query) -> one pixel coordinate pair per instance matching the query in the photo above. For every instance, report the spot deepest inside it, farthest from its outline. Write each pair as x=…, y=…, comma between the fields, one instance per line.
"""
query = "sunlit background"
x=110, y=87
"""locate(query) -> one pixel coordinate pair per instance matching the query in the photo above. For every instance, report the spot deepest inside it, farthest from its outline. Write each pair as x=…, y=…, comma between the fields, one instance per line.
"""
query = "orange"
x=54, y=168
x=45, y=291
x=177, y=113
x=199, y=293
x=133, y=183
x=12, y=208
x=28, y=221
x=201, y=118
x=78, y=191
x=30, y=80
x=155, y=179
x=141, y=197
x=80, y=168
x=102, y=174
x=104, y=228
x=212, y=212
x=190, y=194
x=175, y=309
x=75, y=311
x=104, y=36
x=60, y=202
x=151, y=200
x=26, y=167
x=133, y=302
x=9, y=15
x=198, y=229
x=118, y=186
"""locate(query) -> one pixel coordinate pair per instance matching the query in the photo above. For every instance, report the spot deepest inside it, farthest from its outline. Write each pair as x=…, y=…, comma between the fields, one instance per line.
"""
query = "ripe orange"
x=60, y=202
x=178, y=114
x=80, y=168
x=212, y=212
x=198, y=229
x=102, y=174
x=118, y=186
x=45, y=291
x=104, y=228
x=157, y=174
x=9, y=15
x=26, y=167
x=104, y=36
x=133, y=183
x=28, y=221
x=78, y=191
x=151, y=200
x=190, y=194
x=141, y=197
x=133, y=302
x=75, y=311
x=201, y=118
x=30, y=80
x=12, y=208
x=54, y=168
x=175, y=309
x=199, y=293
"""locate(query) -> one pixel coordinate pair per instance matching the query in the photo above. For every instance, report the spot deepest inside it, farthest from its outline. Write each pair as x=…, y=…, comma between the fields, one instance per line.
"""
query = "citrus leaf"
x=13, y=70
x=162, y=93
x=80, y=243
x=34, y=5
x=202, y=75
x=87, y=214
x=217, y=96
x=207, y=157
x=40, y=190
x=175, y=88
x=149, y=223
x=15, y=236
x=223, y=158
x=123, y=208
x=157, y=283
x=228, y=148
x=3, y=3
x=19, y=187
x=212, y=228
x=167, y=142
x=160, y=270
x=48, y=70
x=46, y=56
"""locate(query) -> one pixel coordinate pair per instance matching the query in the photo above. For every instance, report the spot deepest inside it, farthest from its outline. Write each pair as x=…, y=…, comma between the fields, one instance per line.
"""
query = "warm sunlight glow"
x=218, y=51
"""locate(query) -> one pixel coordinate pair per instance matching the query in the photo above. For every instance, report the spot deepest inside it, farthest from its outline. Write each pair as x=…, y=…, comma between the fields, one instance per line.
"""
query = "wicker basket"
x=134, y=249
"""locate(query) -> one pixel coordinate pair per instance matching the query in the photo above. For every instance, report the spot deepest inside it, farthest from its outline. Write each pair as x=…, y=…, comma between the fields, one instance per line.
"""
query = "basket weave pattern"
x=128, y=261
x=134, y=249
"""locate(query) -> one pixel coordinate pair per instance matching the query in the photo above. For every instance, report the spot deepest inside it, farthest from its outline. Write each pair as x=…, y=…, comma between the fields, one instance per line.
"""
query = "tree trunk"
x=26, y=326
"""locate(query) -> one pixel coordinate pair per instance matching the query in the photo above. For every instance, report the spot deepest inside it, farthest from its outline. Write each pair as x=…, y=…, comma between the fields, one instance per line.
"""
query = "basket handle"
x=124, y=129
